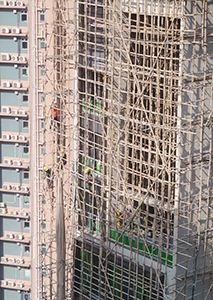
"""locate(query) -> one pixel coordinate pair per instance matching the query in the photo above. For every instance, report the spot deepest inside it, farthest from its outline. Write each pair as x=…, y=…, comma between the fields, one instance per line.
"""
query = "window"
x=25, y=175
x=26, y=224
x=24, y=44
x=26, y=200
x=25, y=124
x=42, y=43
x=42, y=70
x=42, y=98
x=24, y=71
x=42, y=16
x=26, y=273
x=26, y=150
x=44, y=225
x=43, y=249
x=24, y=17
x=42, y=124
x=25, y=98
x=27, y=249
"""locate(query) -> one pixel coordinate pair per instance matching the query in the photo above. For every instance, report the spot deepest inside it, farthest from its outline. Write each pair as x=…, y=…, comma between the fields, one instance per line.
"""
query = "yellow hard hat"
x=62, y=150
x=87, y=170
x=45, y=168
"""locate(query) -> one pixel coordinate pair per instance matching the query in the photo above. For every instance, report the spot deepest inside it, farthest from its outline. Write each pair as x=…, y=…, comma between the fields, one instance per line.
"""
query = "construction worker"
x=54, y=114
x=64, y=157
x=89, y=175
x=47, y=172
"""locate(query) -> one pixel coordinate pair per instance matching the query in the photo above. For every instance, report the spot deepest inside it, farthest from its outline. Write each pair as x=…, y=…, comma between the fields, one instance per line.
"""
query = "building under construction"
x=132, y=83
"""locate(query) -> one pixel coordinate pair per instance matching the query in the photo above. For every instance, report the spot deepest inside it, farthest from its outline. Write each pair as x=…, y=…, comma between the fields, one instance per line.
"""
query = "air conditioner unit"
x=19, y=285
x=3, y=211
x=11, y=283
x=2, y=204
x=16, y=30
x=23, y=213
x=14, y=137
x=22, y=112
x=17, y=163
x=22, y=58
x=14, y=58
x=9, y=236
x=3, y=282
x=15, y=187
x=17, y=84
x=3, y=259
x=6, y=84
x=19, y=261
x=14, y=111
x=5, y=56
x=24, y=189
x=7, y=161
x=19, y=237
x=6, y=136
x=5, y=110
x=13, y=213
x=22, y=138
x=19, y=3
x=3, y=3
x=5, y=30
x=6, y=186
x=11, y=260
x=11, y=3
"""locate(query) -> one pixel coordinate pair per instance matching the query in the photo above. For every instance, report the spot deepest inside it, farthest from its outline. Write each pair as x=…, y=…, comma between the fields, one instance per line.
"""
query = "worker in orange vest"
x=54, y=113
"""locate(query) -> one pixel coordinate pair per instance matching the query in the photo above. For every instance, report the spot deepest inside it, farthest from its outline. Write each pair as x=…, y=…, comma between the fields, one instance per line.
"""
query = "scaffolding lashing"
x=137, y=134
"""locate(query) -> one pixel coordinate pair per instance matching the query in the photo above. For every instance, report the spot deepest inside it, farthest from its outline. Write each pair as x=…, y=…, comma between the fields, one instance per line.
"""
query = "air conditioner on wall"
x=24, y=188
x=3, y=211
x=15, y=187
x=5, y=30
x=16, y=30
x=2, y=204
x=5, y=110
x=5, y=56
x=9, y=236
x=19, y=237
x=14, y=58
x=11, y=3
x=3, y=259
x=17, y=163
x=19, y=3
x=19, y=285
x=3, y=282
x=3, y=3
x=14, y=111
x=11, y=260
x=19, y=261
x=22, y=138
x=23, y=213
x=11, y=283
x=7, y=161
x=6, y=84
x=14, y=137
x=22, y=112
x=16, y=84
x=22, y=58
x=6, y=186
x=6, y=136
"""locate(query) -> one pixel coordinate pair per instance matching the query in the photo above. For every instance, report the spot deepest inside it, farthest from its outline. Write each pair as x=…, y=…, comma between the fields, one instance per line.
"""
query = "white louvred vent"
x=6, y=186
x=7, y=161
x=19, y=3
x=11, y=260
x=14, y=137
x=11, y=283
x=22, y=138
x=17, y=163
x=5, y=30
x=6, y=136
x=3, y=259
x=16, y=30
x=9, y=236
x=6, y=84
x=22, y=58
x=5, y=56
x=14, y=58
x=19, y=261
x=3, y=211
x=6, y=110
x=17, y=84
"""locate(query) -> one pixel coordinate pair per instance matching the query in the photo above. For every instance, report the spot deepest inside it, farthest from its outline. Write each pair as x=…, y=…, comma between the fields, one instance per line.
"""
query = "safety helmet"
x=87, y=170
x=45, y=168
x=62, y=150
